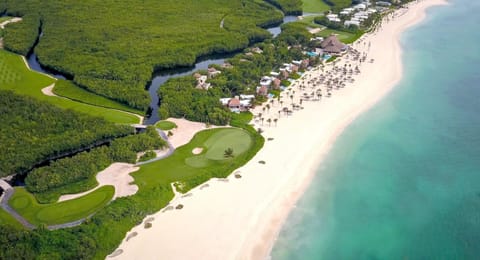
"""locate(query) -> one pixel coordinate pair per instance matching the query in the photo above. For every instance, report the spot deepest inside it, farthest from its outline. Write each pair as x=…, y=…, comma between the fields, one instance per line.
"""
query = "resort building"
x=262, y=91
x=333, y=18
x=226, y=65
x=352, y=22
x=212, y=72
x=257, y=50
x=202, y=82
x=234, y=104
x=238, y=104
x=276, y=83
x=274, y=74
x=266, y=81
x=333, y=46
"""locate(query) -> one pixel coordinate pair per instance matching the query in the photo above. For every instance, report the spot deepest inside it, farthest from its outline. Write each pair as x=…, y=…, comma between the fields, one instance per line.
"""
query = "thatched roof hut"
x=332, y=45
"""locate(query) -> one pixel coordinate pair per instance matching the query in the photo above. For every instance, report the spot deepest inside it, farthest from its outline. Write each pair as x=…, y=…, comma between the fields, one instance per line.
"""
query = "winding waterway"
x=162, y=76
x=201, y=64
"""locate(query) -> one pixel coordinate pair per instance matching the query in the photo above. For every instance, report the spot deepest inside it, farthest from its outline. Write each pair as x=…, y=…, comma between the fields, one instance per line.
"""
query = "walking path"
x=13, y=20
x=8, y=192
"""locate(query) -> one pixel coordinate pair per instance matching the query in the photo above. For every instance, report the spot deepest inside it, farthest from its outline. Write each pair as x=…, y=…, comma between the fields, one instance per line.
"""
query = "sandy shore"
x=240, y=218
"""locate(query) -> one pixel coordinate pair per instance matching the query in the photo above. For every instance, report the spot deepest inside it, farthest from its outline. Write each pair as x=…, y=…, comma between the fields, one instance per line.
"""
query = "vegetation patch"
x=338, y=4
x=180, y=98
x=100, y=235
x=36, y=131
x=117, y=57
x=77, y=174
x=288, y=7
x=147, y=156
x=51, y=214
x=7, y=220
x=345, y=37
x=15, y=76
x=315, y=6
x=68, y=89
x=166, y=125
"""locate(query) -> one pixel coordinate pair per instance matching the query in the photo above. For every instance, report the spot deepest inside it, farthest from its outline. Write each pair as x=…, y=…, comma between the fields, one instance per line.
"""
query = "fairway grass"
x=7, y=220
x=68, y=89
x=191, y=170
x=5, y=18
x=315, y=6
x=15, y=76
x=345, y=37
x=166, y=125
x=58, y=213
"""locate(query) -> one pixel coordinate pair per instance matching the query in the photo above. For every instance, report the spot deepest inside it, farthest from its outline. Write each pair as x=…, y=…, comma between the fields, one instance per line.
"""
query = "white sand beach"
x=240, y=218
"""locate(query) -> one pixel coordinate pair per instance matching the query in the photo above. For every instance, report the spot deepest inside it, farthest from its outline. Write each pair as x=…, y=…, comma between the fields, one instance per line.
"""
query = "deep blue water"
x=403, y=181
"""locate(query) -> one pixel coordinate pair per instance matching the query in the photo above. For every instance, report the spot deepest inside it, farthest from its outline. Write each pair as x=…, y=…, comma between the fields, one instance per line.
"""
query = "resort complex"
x=158, y=124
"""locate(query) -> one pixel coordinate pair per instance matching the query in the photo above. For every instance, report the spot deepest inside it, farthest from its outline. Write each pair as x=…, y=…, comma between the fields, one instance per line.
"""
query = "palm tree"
x=262, y=119
x=279, y=111
x=276, y=119
x=268, y=107
x=228, y=153
x=269, y=121
x=291, y=97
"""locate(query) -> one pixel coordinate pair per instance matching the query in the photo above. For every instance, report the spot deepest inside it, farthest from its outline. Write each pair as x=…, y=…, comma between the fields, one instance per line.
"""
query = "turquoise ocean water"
x=403, y=181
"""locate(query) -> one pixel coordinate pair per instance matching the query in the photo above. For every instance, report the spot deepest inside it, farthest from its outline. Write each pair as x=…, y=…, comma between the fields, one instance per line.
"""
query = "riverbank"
x=240, y=218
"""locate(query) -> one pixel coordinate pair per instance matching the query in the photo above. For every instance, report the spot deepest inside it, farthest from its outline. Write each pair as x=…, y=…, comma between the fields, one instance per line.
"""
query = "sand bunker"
x=48, y=91
x=197, y=150
x=117, y=175
x=185, y=131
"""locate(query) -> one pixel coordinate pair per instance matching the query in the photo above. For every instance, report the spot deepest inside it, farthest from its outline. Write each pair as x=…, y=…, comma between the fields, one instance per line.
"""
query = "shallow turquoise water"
x=403, y=181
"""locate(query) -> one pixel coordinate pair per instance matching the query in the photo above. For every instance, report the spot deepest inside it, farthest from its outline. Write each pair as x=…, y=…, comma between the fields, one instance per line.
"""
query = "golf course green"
x=58, y=213
x=188, y=169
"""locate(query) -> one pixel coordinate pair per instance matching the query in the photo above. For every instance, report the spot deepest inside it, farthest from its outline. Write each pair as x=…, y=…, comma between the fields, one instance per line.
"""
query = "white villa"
x=333, y=18
x=266, y=81
x=238, y=103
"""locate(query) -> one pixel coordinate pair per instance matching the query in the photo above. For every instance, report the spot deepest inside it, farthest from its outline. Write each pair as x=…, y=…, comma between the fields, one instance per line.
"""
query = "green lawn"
x=15, y=76
x=4, y=18
x=166, y=125
x=69, y=90
x=345, y=37
x=315, y=6
x=7, y=219
x=308, y=21
x=191, y=170
x=58, y=213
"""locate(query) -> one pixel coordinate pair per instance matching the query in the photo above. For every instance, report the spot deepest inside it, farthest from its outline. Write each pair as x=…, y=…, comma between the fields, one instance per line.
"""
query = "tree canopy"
x=113, y=47
x=34, y=131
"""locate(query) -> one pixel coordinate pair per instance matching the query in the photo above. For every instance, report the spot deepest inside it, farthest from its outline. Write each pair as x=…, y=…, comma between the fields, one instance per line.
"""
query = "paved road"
x=8, y=192
x=171, y=149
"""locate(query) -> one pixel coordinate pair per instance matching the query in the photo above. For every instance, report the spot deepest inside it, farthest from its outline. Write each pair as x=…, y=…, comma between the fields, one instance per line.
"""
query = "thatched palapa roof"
x=332, y=45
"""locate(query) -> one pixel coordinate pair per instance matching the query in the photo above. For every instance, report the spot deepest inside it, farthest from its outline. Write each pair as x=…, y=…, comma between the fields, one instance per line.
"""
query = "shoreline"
x=241, y=218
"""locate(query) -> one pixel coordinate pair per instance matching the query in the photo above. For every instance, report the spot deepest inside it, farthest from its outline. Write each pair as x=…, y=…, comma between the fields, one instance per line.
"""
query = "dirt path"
x=13, y=20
